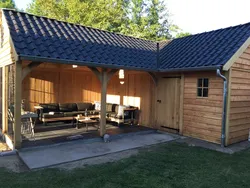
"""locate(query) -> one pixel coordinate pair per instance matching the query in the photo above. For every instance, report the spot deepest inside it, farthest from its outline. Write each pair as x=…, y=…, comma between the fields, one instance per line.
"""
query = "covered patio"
x=80, y=65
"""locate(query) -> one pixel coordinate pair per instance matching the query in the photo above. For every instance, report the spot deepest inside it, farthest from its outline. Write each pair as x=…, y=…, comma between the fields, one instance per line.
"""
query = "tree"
x=146, y=19
x=178, y=32
x=7, y=4
x=136, y=21
x=182, y=34
x=158, y=24
x=102, y=14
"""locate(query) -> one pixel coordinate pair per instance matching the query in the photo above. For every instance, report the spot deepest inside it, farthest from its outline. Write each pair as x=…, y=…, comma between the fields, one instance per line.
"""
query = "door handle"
x=159, y=101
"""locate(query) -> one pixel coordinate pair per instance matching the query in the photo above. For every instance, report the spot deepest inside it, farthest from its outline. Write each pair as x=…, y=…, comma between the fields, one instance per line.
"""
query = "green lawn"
x=167, y=165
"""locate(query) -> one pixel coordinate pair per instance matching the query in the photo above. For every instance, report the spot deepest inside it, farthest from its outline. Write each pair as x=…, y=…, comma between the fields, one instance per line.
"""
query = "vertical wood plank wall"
x=6, y=51
x=202, y=116
x=48, y=84
x=239, y=118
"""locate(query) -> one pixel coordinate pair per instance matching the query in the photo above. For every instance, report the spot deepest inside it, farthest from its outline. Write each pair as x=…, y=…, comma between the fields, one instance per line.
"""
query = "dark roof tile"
x=212, y=48
x=50, y=38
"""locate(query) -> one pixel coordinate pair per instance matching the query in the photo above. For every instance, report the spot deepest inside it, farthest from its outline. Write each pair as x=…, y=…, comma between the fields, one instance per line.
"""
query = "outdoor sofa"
x=65, y=111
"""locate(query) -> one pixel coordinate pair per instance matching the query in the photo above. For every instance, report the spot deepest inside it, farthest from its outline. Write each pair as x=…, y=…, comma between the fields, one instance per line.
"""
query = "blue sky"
x=196, y=16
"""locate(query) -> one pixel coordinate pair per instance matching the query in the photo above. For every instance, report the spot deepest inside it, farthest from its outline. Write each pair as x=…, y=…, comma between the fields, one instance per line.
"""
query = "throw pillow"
x=97, y=106
x=121, y=110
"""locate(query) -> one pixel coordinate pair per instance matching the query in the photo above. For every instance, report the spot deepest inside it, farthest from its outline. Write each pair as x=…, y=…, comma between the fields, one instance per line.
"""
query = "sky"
x=196, y=16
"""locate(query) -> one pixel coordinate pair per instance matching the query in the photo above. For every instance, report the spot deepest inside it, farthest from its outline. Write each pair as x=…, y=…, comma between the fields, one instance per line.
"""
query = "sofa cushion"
x=70, y=114
x=112, y=114
x=50, y=107
x=121, y=110
x=89, y=112
x=82, y=106
x=109, y=107
x=114, y=107
x=54, y=115
x=67, y=107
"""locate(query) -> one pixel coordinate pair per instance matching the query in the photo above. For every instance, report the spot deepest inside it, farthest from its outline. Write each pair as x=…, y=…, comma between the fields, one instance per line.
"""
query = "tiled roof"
x=41, y=38
x=207, y=49
x=48, y=38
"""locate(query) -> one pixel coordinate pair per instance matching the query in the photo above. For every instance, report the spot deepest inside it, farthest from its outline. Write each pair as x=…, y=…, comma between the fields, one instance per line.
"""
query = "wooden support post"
x=181, y=105
x=104, y=83
x=4, y=99
x=104, y=76
x=17, y=109
x=29, y=68
x=96, y=72
x=111, y=73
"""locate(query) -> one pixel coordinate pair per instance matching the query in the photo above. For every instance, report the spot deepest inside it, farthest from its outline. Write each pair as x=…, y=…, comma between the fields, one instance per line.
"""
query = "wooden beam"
x=17, y=109
x=237, y=54
x=181, y=105
x=104, y=76
x=4, y=99
x=104, y=83
x=96, y=72
x=29, y=68
x=111, y=73
x=154, y=78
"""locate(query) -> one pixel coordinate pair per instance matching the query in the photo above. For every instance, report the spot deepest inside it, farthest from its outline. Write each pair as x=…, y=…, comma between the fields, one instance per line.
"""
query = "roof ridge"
x=22, y=12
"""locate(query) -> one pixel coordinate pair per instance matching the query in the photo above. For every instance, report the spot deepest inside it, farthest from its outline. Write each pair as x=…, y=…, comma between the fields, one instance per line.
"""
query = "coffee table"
x=45, y=120
x=86, y=122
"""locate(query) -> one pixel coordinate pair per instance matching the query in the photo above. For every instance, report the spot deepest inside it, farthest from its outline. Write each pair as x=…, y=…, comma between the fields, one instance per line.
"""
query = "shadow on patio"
x=61, y=132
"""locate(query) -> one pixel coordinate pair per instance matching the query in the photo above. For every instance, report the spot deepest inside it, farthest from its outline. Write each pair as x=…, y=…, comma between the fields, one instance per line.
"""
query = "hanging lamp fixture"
x=121, y=76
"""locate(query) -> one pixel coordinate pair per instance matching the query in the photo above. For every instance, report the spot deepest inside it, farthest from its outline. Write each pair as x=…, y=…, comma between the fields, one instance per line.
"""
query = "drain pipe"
x=224, y=114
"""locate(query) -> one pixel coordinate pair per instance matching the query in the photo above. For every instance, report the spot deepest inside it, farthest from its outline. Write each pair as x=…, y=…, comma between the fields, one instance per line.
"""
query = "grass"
x=166, y=165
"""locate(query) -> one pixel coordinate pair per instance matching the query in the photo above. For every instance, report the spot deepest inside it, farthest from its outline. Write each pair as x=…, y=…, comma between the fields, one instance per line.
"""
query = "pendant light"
x=121, y=76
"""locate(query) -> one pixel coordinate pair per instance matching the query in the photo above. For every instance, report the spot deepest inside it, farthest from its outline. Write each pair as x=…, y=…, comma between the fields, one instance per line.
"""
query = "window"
x=202, y=87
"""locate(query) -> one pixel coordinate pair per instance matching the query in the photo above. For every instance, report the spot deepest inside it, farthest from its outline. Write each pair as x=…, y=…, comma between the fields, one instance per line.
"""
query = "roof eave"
x=186, y=69
x=236, y=55
x=91, y=64
x=80, y=63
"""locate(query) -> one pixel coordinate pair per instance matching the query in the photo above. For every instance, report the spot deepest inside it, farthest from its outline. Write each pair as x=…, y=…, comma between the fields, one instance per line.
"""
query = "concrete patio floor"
x=14, y=163
x=47, y=156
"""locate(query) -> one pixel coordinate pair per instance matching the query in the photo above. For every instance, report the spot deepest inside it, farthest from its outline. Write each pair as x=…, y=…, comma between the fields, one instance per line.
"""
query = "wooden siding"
x=239, y=115
x=55, y=83
x=7, y=54
x=202, y=116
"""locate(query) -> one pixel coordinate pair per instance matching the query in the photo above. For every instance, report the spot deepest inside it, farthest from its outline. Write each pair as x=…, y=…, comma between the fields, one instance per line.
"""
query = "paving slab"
x=42, y=157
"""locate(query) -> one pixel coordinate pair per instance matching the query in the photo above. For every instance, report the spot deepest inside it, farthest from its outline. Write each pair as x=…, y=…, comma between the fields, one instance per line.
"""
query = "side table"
x=30, y=125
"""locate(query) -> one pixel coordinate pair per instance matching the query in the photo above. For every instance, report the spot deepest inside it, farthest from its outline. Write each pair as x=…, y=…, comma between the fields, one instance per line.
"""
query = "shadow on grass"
x=165, y=165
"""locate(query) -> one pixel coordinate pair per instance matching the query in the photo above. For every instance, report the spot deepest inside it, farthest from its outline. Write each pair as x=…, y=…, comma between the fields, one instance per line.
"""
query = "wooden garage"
x=197, y=86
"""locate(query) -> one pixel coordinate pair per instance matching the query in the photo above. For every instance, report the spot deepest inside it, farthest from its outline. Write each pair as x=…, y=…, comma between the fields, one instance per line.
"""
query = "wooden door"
x=168, y=103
